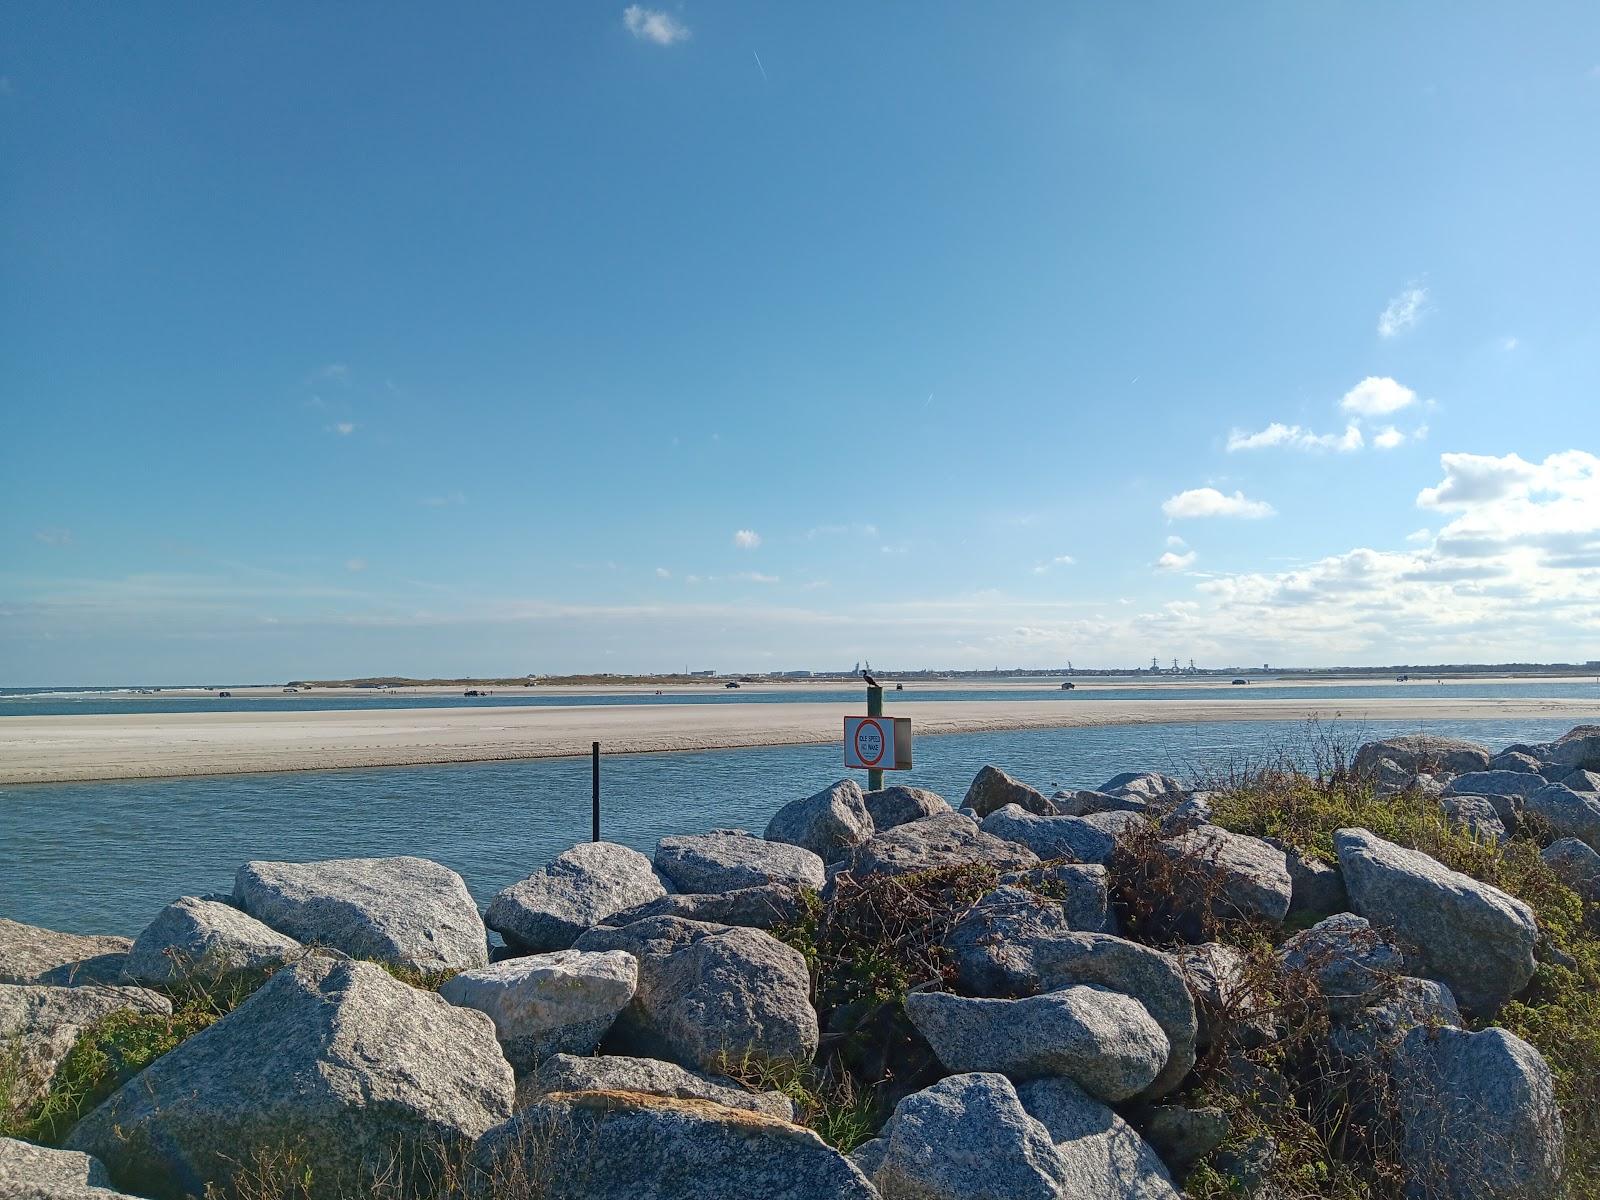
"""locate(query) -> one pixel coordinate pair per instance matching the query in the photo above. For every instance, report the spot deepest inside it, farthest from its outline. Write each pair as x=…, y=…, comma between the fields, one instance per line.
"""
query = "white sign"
x=877, y=743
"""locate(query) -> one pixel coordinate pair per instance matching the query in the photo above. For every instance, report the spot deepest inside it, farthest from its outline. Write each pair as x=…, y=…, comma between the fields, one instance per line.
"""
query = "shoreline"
x=105, y=747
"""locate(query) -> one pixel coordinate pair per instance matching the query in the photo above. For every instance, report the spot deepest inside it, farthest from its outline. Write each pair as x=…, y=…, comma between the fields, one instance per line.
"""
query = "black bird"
x=871, y=682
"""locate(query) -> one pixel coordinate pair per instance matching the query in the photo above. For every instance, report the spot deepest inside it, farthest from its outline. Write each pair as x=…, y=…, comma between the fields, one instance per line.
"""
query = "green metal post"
x=874, y=709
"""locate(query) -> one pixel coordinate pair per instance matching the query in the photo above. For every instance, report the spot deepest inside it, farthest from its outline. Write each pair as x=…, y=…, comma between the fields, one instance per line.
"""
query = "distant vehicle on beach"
x=474, y=692
x=1067, y=687
x=224, y=695
x=732, y=683
x=1244, y=682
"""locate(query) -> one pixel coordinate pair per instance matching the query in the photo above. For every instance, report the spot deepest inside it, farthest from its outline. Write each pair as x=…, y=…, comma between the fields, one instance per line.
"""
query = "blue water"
x=20, y=703
x=105, y=857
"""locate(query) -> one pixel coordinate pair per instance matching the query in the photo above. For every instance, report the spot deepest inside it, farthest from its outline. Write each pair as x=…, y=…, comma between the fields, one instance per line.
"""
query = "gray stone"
x=1479, y=1116
x=1116, y=823
x=829, y=824
x=40, y=1024
x=1105, y=1041
x=896, y=805
x=1150, y=786
x=558, y=1003
x=725, y=860
x=1368, y=1039
x=652, y=1076
x=1080, y=888
x=29, y=954
x=1566, y=813
x=29, y=1172
x=711, y=994
x=1248, y=877
x=1581, y=781
x=407, y=911
x=1423, y=752
x=1351, y=963
x=205, y=941
x=968, y=1138
x=1316, y=889
x=992, y=789
x=1183, y=1136
x=577, y=889
x=1514, y=760
x=869, y=1156
x=763, y=907
x=1578, y=747
x=934, y=842
x=993, y=943
x=1103, y=1155
x=1576, y=865
x=616, y=1145
x=1505, y=786
x=1391, y=779
x=1477, y=815
x=1471, y=936
x=357, y=1068
x=1225, y=1003
x=1071, y=838
x=1081, y=802
x=1196, y=810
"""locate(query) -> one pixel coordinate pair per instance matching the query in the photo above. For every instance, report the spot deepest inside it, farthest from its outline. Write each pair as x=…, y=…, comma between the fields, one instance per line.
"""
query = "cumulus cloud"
x=1403, y=312
x=663, y=573
x=344, y=428
x=1176, y=562
x=1294, y=437
x=653, y=25
x=1527, y=516
x=1377, y=396
x=1208, y=502
x=1388, y=438
x=746, y=539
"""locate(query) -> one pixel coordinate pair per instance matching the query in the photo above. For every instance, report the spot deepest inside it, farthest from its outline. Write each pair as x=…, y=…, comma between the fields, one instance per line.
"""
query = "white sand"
x=152, y=745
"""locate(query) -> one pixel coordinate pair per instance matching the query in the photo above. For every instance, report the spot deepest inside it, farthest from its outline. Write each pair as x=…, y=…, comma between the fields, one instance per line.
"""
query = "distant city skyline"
x=340, y=342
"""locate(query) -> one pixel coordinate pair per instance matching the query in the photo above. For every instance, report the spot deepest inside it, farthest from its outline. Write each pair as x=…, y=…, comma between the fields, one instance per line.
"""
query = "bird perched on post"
x=871, y=682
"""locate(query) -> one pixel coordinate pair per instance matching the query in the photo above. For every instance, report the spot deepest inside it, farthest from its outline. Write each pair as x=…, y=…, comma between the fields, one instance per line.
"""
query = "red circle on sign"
x=883, y=743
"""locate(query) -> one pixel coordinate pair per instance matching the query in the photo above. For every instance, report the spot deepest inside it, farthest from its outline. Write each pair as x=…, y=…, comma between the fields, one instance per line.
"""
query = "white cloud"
x=1377, y=396
x=653, y=25
x=1509, y=343
x=53, y=537
x=663, y=573
x=746, y=539
x=1528, y=517
x=1474, y=479
x=1208, y=502
x=1403, y=312
x=344, y=428
x=1060, y=560
x=1176, y=562
x=448, y=500
x=1295, y=437
x=355, y=564
x=1388, y=438
x=1420, y=537
x=1175, y=542
x=755, y=577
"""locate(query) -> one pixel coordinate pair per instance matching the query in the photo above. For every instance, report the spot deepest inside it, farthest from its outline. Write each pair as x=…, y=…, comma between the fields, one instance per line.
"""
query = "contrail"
x=762, y=69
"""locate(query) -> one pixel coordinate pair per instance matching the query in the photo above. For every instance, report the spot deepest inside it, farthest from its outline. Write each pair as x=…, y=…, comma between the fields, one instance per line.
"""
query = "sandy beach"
x=153, y=745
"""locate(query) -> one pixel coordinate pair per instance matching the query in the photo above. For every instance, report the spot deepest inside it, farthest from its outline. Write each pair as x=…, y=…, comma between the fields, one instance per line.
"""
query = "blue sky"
x=351, y=339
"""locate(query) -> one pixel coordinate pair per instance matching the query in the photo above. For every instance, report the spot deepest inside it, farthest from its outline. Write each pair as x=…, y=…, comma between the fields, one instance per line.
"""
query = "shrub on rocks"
x=992, y=789
x=725, y=860
x=406, y=911
x=1105, y=1041
x=29, y=954
x=711, y=994
x=335, y=1062
x=558, y=1003
x=829, y=824
x=205, y=942
x=579, y=888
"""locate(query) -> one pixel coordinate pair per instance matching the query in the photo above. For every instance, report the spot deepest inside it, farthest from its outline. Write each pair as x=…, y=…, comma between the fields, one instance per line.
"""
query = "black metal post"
x=594, y=764
x=874, y=709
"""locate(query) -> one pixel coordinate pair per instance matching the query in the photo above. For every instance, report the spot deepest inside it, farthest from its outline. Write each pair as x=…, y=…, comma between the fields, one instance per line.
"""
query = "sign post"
x=874, y=709
x=876, y=743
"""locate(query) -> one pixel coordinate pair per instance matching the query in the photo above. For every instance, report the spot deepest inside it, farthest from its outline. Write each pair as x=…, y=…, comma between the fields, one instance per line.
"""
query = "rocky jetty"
x=1103, y=992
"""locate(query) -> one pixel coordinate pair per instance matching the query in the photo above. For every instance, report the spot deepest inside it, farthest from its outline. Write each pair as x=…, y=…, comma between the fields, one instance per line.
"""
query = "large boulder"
x=1578, y=747
x=968, y=1138
x=897, y=804
x=1105, y=1041
x=1479, y=1116
x=205, y=941
x=40, y=1025
x=1082, y=890
x=1467, y=934
x=1504, y=786
x=619, y=1145
x=1477, y=815
x=728, y=859
x=1515, y=760
x=1150, y=786
x=354, y=1070
x=1576, y=865
x=29, y=1172
x=1423, y=752
x=1349, y=960
x=763, y=907
x=1103, y=1155
x=711, y=994
x=1581, y=781
x=558, y=1003
x=992, y=789
x=652, y=1076
x=29, y=954
x=1071, y=838
x=577, y=889
x=944, y=841
x=829, y=824
x=1566, y=813
x=1365, y=1042
x=1082, y=802
x=1241, y=876
x=410, y=912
